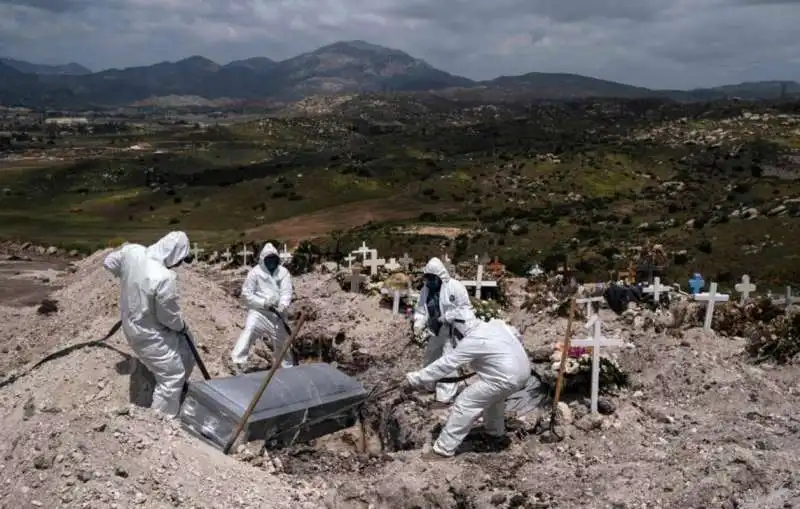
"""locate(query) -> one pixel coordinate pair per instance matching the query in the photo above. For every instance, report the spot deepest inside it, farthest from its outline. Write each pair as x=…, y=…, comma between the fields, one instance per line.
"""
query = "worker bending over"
x=439, y=294
x=267, y=293
x=496, y=354
x=151, y=316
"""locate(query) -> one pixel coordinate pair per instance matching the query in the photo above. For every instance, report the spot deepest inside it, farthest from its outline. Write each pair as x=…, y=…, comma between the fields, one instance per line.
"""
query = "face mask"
x=433, y=282
x=271, y=263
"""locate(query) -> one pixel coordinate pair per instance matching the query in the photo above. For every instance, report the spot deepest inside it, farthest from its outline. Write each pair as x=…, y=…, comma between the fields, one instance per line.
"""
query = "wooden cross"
x=744, y=288
x=196, y=250
x=244, y=253
x=373, y=262
x=588, y=301
x=711, y=298
x=656, y=288
x=595, y=342
x=392, y=264
x=406, y=262
x=355, y=280
x=349, y=259
x=479, y=282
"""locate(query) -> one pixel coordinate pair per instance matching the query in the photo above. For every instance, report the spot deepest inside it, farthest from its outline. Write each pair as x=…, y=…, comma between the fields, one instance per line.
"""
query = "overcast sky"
x=654, y=43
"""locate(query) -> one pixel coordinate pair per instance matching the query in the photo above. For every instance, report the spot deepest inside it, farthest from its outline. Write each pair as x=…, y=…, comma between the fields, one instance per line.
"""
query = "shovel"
x=562, y=368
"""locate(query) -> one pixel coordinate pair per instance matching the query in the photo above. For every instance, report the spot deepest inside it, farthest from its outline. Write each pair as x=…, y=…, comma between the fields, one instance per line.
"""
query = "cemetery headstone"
x=657, y=289
x=406, y=261
x=196, y=251
x=392, y=264
x=696, y=284
x=712, y=297
x=349, y=259
x=588, y=301
x=745, y=288
x=373, y=262
x=355, y=280
x=479, y=283
x=244, y=253
x=595, y=342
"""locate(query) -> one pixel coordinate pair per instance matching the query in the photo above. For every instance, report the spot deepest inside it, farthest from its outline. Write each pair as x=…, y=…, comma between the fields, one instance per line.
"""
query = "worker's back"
x=140, y=277
x=503, y=360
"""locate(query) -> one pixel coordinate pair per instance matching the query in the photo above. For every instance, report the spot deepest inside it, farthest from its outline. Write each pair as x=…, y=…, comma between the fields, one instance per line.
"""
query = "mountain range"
x=342, y=67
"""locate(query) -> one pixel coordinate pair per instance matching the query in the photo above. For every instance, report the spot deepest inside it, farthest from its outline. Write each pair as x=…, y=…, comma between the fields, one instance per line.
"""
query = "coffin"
x=301, y=403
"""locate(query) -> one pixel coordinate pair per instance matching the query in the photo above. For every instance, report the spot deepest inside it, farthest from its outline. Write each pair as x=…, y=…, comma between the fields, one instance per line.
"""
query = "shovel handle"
x=246, y=416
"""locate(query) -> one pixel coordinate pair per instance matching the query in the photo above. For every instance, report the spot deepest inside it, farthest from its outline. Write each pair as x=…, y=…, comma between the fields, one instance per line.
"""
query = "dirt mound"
x=697, y=426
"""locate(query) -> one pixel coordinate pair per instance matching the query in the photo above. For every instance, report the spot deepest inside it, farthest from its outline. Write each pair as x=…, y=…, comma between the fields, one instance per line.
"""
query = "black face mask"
x=271, y=263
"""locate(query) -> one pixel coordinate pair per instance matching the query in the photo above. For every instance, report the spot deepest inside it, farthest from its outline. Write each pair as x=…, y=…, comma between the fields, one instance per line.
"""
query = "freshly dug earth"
x=700, y=426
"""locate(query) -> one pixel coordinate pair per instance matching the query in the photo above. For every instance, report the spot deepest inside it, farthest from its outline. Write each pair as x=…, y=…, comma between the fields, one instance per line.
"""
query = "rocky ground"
x=699, y=425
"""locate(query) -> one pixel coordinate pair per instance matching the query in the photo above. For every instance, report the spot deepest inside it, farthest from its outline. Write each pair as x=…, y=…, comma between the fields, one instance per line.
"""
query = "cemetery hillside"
x=643, y=248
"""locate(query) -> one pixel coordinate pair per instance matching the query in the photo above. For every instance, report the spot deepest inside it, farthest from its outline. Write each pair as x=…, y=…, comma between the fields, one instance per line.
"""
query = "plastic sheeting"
x=300, y=403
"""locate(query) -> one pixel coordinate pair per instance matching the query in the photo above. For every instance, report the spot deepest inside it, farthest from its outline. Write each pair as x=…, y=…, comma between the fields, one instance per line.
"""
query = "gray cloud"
x=655, y=43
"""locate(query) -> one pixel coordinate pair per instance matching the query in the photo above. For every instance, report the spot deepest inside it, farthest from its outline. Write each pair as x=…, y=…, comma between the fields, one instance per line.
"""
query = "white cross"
x=285, y=255
x=745, y=287
x=244, y=253
x=197, y=250
x=588, y=301
x=406, y=261
x=349, y=259
x=535, y=271
x=595, y=342
x=789, y=299
x=392, y=264
x=479, y=283
x=363, y=250
x=373, y=262
x=711, y=297
x=656, y=288
x=227, y=255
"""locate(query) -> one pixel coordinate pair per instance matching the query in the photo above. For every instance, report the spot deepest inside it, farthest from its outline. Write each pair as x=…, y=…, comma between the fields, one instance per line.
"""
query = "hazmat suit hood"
x=268, y=250
x=437, y=268
x=170, y=249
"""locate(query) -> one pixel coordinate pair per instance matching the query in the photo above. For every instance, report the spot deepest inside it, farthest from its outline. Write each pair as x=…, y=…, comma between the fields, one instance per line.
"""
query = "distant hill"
x=342, y=67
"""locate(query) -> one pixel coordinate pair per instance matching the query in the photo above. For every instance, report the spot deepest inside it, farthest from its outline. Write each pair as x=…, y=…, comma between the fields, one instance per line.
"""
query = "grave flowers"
x=578, y=372
x=486, y=309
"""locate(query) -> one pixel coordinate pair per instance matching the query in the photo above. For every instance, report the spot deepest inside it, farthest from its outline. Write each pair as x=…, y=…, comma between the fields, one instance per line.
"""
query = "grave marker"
x=244, y=253
x=363, y=250
x=355, y=280
x=227, y=255
x=373, y=262
x=656, y=289
x=406, y=262
x=196, y=251
x=696, y=283
x=535, y=271
x=285, y=255
x=744, y=288
x=595, y=342
x=392, y=265
x=479, y=283
x=788, y=299
x=588, y=301
x=349, y=259
x=712, y=297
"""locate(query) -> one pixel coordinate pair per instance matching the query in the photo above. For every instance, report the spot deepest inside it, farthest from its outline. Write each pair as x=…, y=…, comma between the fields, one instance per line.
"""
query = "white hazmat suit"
x=151, y=316
x=263, y=290
x=429, y=313
x=496, y=354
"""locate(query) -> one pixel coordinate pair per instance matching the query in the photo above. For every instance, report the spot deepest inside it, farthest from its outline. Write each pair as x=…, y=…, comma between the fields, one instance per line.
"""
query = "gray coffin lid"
x=291, y=390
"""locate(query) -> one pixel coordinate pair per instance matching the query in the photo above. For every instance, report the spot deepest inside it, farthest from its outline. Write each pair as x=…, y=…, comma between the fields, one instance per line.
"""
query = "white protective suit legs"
x=171, y=362
x=266, y=325
x=438, y=346
x=478, y=399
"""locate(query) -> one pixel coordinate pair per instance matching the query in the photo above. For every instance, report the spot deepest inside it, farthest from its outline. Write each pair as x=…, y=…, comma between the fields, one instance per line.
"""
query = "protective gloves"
x=413, y=380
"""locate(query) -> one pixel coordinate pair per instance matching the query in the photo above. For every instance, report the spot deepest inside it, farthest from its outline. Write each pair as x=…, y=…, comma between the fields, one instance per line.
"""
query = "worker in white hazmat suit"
x=495, y=352
x=151, y=316
x=440, y=293
x=267, y=293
